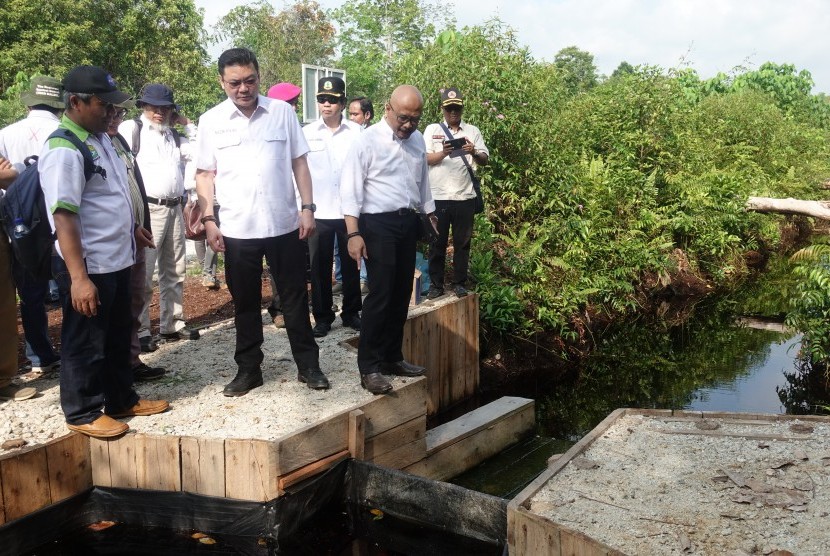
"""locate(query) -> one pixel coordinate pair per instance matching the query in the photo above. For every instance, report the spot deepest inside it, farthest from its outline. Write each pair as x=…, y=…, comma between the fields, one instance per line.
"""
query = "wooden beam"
x=357, y=434
x=816, y=209
x=158, y=462
x=25, y=483
x=311, y=470
x=203, y=466
x=392, y=439
x=475, y=421
x=99, y=455
x=122, y=461
x=250, y=470
x=70, y=466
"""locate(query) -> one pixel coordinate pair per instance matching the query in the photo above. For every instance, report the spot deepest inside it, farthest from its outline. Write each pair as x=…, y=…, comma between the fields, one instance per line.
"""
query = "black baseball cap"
x=451, y=96
x=94, y=81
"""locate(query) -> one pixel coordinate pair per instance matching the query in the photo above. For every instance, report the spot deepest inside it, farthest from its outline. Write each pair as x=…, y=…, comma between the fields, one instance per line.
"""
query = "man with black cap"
x=19, y=141
x=451, y=179
x=329, y=139
x=161, y=154
x=249, y=149
x=93, y=221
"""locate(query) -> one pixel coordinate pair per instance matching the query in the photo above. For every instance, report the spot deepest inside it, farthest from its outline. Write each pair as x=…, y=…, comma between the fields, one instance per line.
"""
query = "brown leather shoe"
x=402, y=368
x=142, y=408
x=375, y=383
x=102, y=427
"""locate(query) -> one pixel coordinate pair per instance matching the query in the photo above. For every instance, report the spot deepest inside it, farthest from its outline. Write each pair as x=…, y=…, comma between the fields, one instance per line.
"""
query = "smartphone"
x=456, y=143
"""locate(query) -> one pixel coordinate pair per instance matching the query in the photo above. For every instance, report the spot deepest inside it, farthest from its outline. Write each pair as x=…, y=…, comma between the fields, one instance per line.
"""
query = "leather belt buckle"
x=404, y=211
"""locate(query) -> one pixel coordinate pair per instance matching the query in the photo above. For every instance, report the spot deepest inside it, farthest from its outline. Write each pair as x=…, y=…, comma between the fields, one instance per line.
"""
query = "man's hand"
x=214, y=237
x=85, y=297
x=357, y=250
x=7, y=173
x=468, y=148
x=307, y=224
x=144, y=238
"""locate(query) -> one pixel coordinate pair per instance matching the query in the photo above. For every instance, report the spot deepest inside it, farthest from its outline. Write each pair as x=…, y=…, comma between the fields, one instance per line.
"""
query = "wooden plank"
x=575, y=543
x=777, y=437
x=404, y=455
x=70, y=466
x=472, y=352
x=2, y=503
x=250, y=470
x=311, y=470
x=203, y=466
x=475, y=421
x=158, y=462
x=311, y=443
x=99, y=455
x=446, y=321
x=403, y=404
x=457, y=338
x=457, y=457
x=123, y=467
x=25, y=483
x=394, y=438
x=529, y=534
x=357, y=434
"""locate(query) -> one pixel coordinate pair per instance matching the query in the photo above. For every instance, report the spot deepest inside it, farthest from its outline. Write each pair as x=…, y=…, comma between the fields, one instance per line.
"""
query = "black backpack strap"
x=137, y=135
x=463, y=158
x=176, y=137
x=89, y=165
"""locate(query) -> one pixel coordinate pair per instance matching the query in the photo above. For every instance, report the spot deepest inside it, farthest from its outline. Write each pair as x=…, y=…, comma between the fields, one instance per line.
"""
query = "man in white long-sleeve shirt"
x=161, y=154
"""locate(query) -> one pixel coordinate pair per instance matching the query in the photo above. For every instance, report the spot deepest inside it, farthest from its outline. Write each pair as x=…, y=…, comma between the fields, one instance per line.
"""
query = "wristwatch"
x=312, y=207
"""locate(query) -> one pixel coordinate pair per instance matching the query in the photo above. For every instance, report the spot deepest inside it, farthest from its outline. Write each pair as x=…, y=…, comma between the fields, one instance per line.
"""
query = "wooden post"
x=357, y=434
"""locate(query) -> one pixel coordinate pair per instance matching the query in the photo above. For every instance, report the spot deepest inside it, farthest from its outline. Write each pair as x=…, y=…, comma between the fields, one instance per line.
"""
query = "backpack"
x=137, y=136
x=24, y=216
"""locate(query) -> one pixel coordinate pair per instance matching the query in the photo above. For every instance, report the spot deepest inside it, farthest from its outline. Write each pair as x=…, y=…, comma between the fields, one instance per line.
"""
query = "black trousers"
x=286, y=258
x=321, y=252
x=458, y=215
x=95, y=351
x=390, y=242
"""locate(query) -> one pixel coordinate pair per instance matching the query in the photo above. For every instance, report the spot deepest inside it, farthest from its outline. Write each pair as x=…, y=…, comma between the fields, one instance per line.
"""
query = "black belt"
x=398, y=212
x=165, y=202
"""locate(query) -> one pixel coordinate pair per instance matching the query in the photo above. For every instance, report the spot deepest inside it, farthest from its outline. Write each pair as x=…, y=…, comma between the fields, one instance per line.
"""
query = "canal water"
x=706, y=360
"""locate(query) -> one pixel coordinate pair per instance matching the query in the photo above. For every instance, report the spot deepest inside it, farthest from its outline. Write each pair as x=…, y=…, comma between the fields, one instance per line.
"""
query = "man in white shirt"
x=93, y=222
x=384, y=186
x=161, y=154
x=18, y=142
x=450, y=176
x=329, y=139
x=249, y=148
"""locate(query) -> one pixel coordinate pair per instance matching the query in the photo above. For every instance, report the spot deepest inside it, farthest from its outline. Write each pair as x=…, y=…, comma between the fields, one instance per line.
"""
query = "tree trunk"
x=816, y=209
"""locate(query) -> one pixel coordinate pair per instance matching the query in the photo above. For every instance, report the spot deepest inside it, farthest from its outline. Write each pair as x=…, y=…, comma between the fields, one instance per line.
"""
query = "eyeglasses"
x=453, y=108
x=162, y=109
x=322, y=99
x=236, y=83
x=404, y=119
x=108, y=106
x=120, y=113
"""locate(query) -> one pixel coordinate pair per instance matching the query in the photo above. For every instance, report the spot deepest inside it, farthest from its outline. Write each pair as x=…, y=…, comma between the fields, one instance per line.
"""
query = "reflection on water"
x=757, y=391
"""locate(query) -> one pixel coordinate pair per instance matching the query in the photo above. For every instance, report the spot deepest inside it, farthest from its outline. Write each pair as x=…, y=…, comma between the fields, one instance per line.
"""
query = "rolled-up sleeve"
x=351, y=181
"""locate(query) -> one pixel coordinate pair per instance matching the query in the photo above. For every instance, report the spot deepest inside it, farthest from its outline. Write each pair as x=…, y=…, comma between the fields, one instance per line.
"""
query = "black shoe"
x=460, y=291
x=321, y=329
x=314, y=378
x=375, y=383
x=434, y=293
x=352, y=322
x=244, y=382
x=182, y=334
x=148, y=344
x=401, y=368
x=143, y=373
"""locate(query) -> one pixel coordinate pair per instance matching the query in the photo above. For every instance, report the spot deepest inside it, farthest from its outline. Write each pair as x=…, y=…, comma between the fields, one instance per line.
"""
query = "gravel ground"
x=671, y=486
x=197, y=371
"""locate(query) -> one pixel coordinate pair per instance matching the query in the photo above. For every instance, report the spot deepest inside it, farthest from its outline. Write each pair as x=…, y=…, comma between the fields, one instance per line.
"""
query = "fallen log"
x=816, y=209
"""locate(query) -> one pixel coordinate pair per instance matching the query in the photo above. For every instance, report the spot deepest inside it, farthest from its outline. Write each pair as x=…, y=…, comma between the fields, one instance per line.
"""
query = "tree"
x=576, y=68
x=372, y=34
x=623, y=69
x=299, y=34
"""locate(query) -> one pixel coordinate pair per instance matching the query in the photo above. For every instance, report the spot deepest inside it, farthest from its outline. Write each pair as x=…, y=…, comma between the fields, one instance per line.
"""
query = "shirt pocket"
x=275, y=145
x=227, y=140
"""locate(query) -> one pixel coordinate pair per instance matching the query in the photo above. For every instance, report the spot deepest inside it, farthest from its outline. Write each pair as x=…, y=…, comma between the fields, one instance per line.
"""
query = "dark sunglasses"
x=322, y=99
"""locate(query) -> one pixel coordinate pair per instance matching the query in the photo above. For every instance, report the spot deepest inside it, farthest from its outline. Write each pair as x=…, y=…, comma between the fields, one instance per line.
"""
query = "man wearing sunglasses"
x=384, y=187
x=93, y=221
x=329, y=139
x=451, y=178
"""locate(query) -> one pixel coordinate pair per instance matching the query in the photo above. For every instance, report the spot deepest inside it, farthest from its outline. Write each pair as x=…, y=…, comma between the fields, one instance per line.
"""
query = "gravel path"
x=687, y=486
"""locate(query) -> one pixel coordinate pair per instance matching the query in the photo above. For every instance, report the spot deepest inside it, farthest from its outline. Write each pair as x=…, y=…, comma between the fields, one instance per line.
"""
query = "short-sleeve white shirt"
x=26, y=137
x=450, y=180
x=383, y=173
x=103, y=206
x=327, y=152
x=252, y=159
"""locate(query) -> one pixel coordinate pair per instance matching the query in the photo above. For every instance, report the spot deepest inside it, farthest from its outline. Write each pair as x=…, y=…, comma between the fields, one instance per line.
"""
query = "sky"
x=709, y=36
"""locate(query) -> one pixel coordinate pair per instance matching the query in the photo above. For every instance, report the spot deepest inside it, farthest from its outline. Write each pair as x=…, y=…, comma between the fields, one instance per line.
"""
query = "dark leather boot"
x=375, y=383
x=402, y=368
x=245, y=381
x=314, y=378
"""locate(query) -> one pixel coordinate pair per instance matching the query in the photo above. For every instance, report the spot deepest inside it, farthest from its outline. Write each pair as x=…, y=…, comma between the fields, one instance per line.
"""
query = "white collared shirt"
x=26, y=137
x=103, y=205
x=383, y=173
x=449, y=179
x=326, y=154
x=252, y=159
x=161, y=162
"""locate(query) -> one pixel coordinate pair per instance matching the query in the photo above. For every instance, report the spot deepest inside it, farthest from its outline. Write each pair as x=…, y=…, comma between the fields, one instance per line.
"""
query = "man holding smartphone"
x=448, y=145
